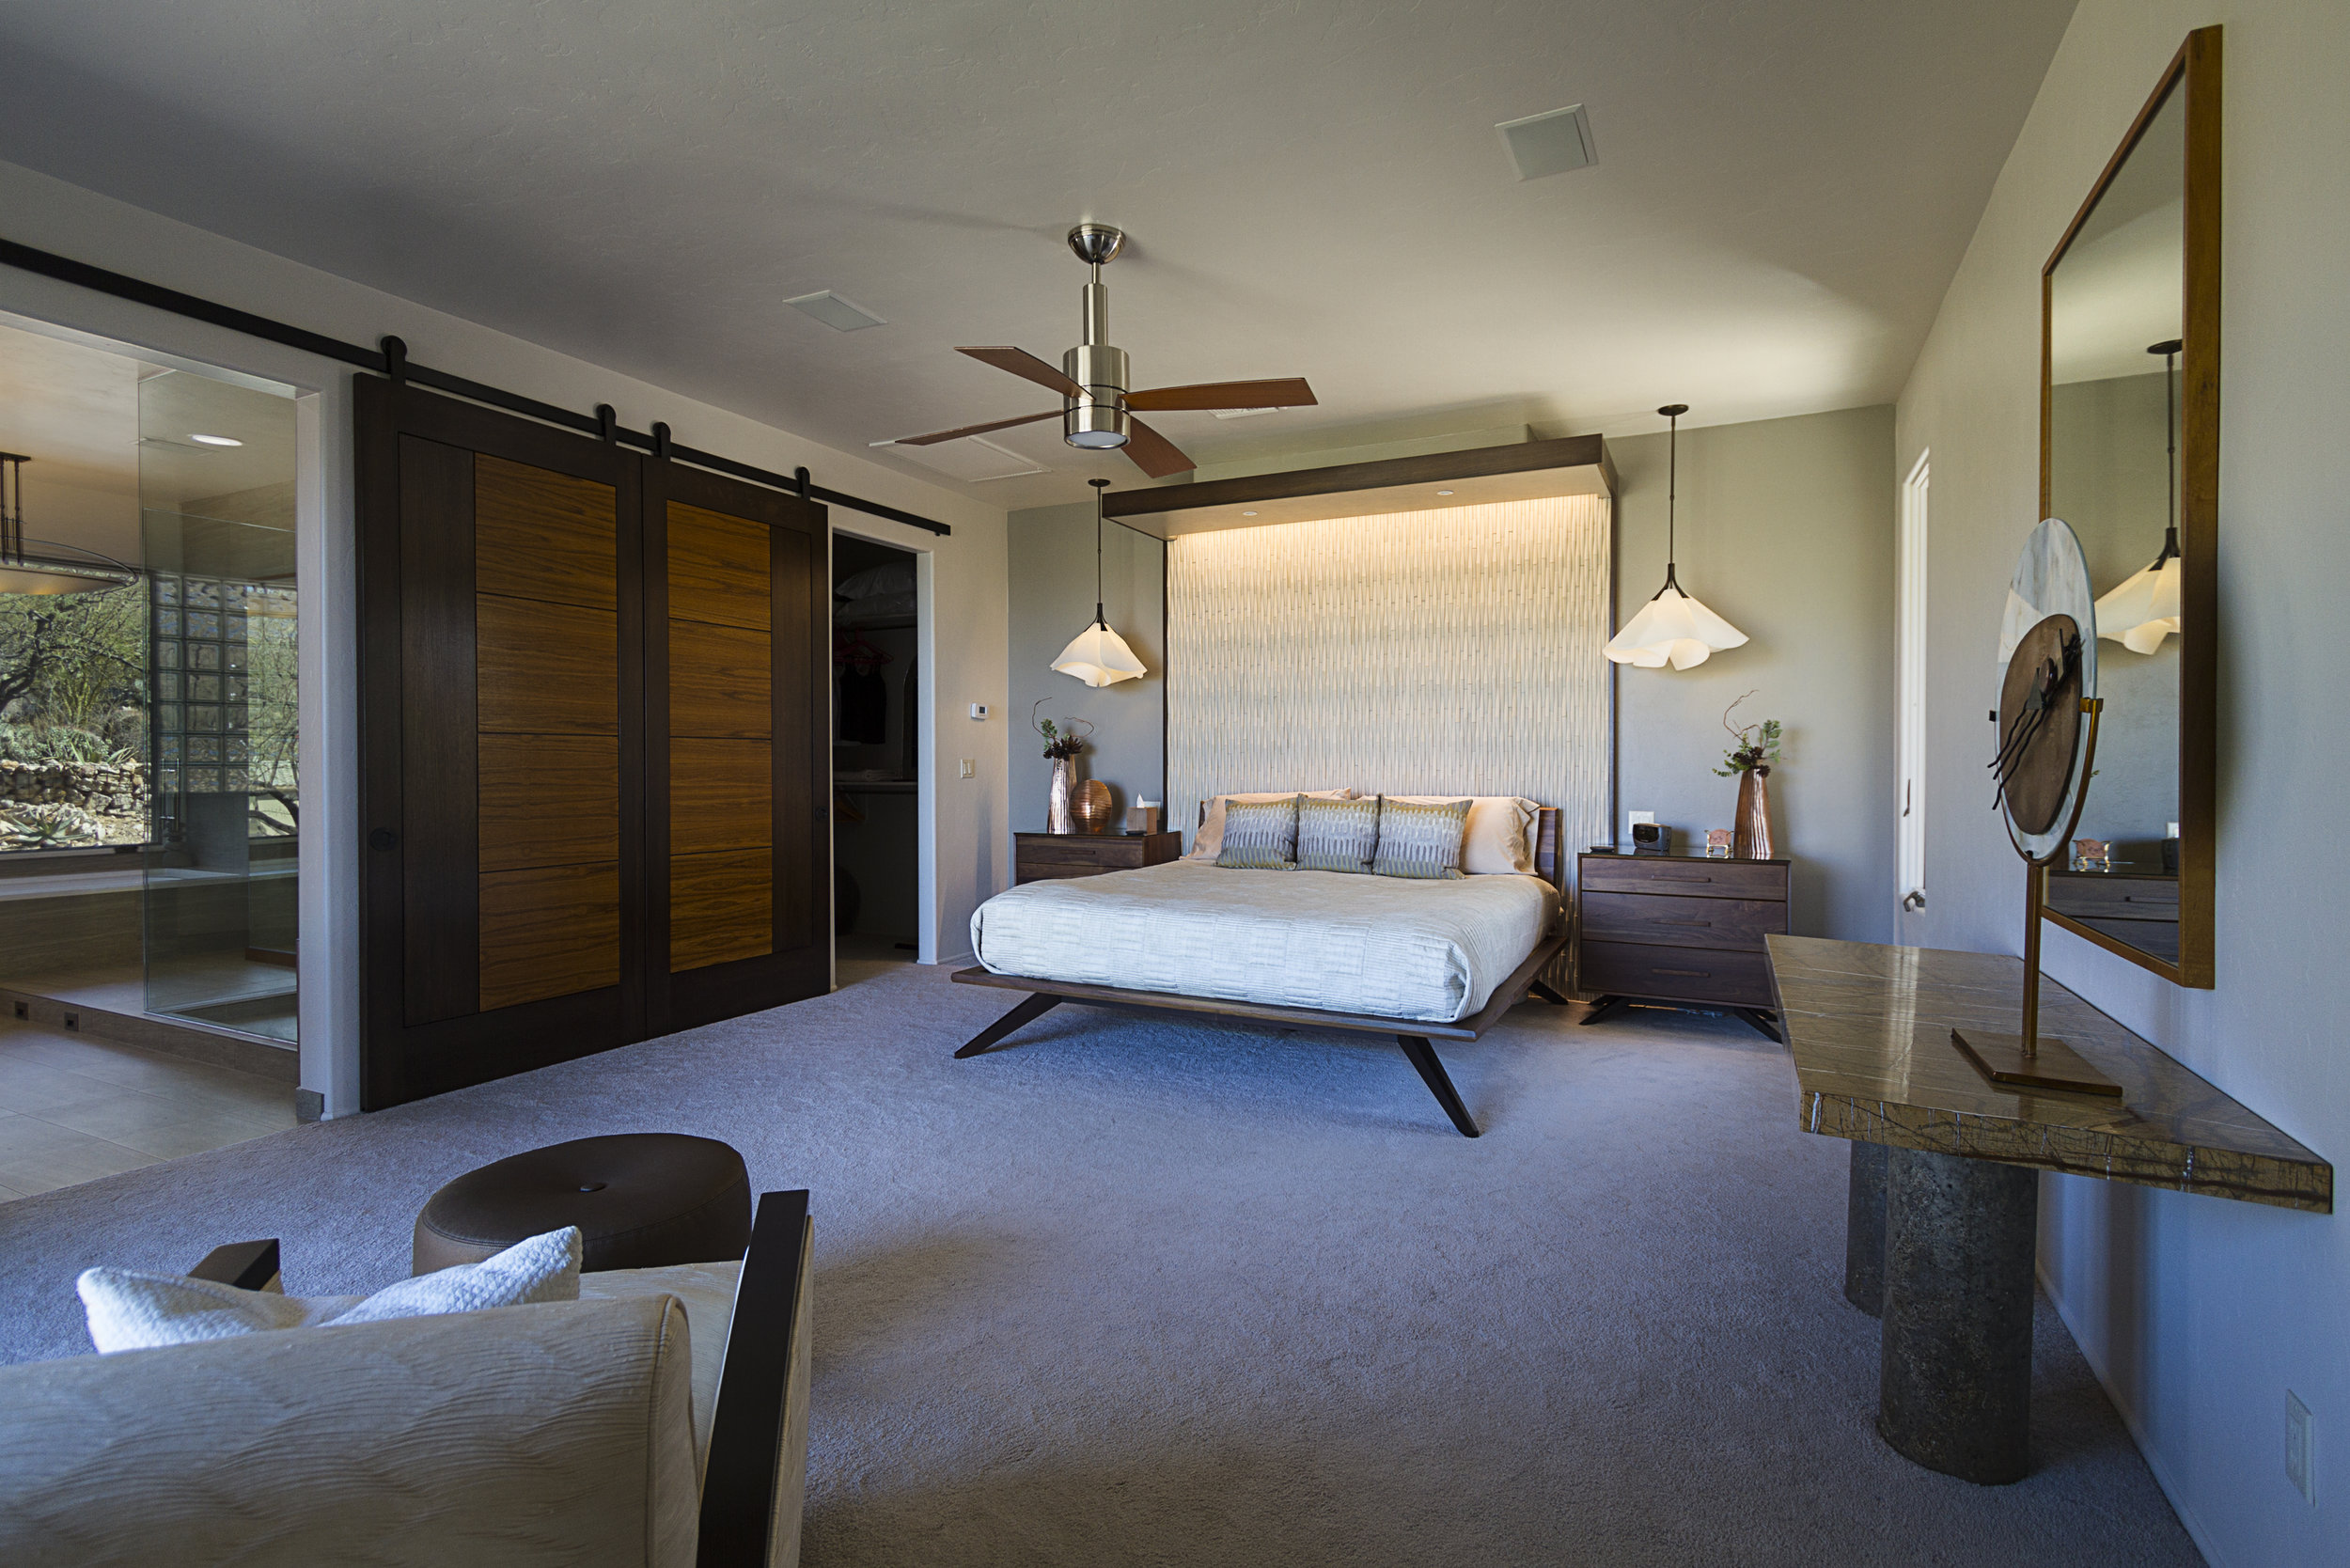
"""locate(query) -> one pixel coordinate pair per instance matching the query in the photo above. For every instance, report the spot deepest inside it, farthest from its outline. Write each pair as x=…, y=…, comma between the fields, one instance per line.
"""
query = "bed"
x=1420, y=961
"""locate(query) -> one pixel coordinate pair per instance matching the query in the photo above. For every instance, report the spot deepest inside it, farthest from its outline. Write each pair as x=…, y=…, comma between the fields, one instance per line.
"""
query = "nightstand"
x=1679, y=928
x=1038, y=856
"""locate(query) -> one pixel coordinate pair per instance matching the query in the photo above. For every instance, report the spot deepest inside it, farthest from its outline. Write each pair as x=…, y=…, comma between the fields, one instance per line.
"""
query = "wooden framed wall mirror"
x=2129, y=456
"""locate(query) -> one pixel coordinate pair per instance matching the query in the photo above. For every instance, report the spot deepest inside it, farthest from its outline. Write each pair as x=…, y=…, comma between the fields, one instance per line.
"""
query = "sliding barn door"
x=594, y=772
x=738, y=847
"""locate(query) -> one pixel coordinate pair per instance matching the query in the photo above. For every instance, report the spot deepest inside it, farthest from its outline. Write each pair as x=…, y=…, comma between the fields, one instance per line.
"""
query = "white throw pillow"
x=1500, y=836
x=138, y=1312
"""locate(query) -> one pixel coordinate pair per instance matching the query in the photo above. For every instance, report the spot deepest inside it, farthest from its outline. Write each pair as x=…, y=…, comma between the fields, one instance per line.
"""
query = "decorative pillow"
x=138, y=1312
x=1261, y=835
x=1421, y=840
x=1500, y=836
x=1337, y=835
x=1208, y=841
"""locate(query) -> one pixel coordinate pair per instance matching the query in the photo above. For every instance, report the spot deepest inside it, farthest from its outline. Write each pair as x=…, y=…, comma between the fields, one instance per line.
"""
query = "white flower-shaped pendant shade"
x=2144, y=609
x=1673, y=628
x=1099, y=657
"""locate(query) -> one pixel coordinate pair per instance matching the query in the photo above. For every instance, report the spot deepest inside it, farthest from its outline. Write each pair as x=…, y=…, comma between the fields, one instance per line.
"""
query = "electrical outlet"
x=970, y=768
x=2298, y=1452
x=1636, y=818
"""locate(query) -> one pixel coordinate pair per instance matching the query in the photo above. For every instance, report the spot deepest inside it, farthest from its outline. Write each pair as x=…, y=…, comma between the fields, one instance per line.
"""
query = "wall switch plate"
x=979, y=710
x=2297, y=1449
x=1636, y=818
x=970, y=768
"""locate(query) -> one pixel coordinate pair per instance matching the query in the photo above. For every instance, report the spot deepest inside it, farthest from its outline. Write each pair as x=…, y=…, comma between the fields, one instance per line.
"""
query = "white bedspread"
x=1391, y=946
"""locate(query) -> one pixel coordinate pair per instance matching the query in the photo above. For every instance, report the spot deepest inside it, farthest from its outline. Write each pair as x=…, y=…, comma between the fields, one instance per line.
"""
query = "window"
x=1910, y=641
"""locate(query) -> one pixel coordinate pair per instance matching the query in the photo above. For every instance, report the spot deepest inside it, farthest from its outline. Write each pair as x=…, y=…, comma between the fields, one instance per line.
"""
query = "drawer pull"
x=1684, y=921
x=1687, y=974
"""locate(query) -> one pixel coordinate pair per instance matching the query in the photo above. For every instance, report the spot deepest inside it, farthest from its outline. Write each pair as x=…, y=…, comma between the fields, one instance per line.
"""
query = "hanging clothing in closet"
x=864, y=706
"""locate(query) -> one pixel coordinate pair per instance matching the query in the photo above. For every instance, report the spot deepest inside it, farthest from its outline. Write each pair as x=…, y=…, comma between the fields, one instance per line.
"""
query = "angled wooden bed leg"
x=1423, y=1057
x=1549, y=993
x=1601, y=1009
x=1035, y=1006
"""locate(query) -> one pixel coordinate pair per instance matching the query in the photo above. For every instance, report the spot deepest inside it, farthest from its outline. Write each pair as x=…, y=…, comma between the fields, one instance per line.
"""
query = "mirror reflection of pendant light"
x=22, y=573
x=2145, y=608
x=1097, y=655
x=1672, y=627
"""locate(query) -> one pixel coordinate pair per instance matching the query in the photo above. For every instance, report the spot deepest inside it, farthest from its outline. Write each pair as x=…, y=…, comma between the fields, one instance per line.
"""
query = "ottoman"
x=640, y=1201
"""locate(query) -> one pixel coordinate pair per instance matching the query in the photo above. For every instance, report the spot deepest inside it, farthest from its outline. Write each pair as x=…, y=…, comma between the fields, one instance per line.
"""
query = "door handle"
x=382, y=838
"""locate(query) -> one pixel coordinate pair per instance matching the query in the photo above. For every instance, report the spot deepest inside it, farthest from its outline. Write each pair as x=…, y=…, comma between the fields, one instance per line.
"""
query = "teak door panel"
x=729, y=686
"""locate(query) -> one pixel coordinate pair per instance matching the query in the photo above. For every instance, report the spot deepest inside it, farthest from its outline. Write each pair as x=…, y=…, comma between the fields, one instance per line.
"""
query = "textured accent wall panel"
x=1427, y=652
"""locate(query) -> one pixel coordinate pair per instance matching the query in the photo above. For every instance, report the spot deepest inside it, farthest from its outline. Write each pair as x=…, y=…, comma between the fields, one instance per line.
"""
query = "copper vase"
x=1089, y=804
x=1056, y=803
x=1753, y=820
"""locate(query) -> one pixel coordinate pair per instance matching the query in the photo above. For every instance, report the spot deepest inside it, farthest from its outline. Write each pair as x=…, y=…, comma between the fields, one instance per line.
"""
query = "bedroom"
x=1231, y=1282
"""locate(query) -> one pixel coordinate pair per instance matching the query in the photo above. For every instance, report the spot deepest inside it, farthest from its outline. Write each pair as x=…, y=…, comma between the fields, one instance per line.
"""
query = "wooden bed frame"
x=1414, y=1035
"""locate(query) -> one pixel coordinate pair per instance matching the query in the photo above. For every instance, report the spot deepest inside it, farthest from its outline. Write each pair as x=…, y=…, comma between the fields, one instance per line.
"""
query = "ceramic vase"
x=1091, y=805
x=1753, y=820
x=1057, y=804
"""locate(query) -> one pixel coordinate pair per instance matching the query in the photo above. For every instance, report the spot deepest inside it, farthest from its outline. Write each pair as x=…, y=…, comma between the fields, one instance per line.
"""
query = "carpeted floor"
x=1144, y=1293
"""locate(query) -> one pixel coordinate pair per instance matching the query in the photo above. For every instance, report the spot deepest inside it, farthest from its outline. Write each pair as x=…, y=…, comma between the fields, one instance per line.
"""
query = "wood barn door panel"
x=718, y=567
x=542, y=535
x=803, y=829
x=549, y=932
x=722, y=683
x=721, y=794
x=549, y=800
x=721, y=909
x=548, y=669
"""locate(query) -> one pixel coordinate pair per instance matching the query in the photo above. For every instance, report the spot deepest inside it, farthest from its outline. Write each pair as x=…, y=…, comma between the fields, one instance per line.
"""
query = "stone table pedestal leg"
x=1955, y=1387
x=1864, y=1229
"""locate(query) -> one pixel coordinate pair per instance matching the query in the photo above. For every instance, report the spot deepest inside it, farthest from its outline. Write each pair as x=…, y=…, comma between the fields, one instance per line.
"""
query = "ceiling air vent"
x=1547, y=144
x=835, y=312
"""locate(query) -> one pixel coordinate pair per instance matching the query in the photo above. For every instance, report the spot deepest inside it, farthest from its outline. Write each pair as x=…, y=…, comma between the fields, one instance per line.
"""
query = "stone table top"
x=1869, y=1029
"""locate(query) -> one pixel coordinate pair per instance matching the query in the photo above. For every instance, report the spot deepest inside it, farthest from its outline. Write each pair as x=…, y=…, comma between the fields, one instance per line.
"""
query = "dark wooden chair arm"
x=748, y=1428
x=249, y=1266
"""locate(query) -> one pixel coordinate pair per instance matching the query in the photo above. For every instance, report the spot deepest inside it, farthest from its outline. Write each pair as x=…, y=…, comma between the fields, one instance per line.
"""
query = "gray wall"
x=1051, y=569
x=2198, y=1314
x=1787, y=532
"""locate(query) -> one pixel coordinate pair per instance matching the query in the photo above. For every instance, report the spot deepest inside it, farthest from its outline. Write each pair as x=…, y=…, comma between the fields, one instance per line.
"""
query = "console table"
x=1943, y=1205
x=1678, y=928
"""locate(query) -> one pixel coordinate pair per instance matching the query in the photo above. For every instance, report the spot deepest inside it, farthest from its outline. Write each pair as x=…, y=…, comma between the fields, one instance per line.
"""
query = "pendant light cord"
x=1672, y=500
x=1098, y=485
x=2170, y=446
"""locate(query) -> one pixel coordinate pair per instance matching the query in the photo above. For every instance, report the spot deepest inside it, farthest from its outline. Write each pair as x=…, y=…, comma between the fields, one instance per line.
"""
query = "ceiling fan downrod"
x=1097, y=418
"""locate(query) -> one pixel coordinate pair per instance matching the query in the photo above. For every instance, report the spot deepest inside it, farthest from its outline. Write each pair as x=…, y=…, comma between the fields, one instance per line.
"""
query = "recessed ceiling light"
x=1248, y=514
x=1444, y=492
x=835, y=312
x=216, y=439
x=1547, y=144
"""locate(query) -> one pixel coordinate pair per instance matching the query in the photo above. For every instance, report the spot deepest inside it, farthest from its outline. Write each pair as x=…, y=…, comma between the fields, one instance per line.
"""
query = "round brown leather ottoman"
x=640, y=1201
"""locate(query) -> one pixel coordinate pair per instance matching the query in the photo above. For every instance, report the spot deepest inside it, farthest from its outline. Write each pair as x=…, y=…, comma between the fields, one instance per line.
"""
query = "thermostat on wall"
x=979, y=710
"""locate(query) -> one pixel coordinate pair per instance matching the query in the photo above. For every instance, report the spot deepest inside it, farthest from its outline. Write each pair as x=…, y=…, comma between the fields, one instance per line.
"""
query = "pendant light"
x=46, y=574
x=2145, y=608
x=1097, y=655
x=1672, y=627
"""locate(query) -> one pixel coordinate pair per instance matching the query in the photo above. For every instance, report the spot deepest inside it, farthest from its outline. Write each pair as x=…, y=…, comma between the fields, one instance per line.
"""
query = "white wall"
x=963, y=577
x=2199, y=1313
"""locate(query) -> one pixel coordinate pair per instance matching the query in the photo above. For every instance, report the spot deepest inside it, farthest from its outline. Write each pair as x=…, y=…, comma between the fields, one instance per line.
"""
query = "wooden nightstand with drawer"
x=1679, y=929
x=1037, y=857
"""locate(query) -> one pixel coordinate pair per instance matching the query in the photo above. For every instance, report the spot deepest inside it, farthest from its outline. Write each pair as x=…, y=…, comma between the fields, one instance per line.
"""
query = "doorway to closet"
x=876, y=758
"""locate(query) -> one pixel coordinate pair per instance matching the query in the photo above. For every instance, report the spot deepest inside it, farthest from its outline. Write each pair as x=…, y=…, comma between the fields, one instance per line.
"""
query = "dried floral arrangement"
x=1757, y=748
x=1063, y=741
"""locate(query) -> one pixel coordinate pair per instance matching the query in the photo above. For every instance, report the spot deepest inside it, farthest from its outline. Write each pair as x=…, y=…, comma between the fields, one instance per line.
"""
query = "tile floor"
x=73, y=1110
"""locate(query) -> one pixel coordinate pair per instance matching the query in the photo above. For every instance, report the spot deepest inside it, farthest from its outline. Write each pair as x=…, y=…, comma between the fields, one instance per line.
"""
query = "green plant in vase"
x=1062, y=743
x=1750, y=760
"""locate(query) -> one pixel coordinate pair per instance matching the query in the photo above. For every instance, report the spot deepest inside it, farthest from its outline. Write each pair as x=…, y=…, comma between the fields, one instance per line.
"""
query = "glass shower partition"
x=216, y=483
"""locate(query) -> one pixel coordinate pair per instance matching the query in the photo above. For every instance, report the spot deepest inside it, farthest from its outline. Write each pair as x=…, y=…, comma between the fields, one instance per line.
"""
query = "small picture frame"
x=1717, y=843
x=2092, y=855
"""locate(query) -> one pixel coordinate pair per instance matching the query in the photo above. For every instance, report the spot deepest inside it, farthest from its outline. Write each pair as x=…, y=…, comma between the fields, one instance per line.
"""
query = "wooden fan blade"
x=1287, y=392
x=1154, y=453
x=1027, y=367
x=936, y=436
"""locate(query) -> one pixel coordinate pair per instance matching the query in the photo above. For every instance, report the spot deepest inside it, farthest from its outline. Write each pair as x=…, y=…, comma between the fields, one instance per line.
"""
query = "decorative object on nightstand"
x=1750, y=760
x=1672, y=626
x=2091, y=854
x=1143, y=817
x=1651, y=839
x=1719, y=841
x=1679, y=930
x=1089, y=804
x=1063, y=742
x=1037, y=857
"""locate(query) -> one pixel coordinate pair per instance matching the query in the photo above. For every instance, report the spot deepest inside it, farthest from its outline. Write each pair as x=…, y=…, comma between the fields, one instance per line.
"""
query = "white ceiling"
x=1782, y=192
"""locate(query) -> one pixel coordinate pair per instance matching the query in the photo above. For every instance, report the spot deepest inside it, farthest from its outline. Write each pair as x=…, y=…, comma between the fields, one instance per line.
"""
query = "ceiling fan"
x=1097, y=408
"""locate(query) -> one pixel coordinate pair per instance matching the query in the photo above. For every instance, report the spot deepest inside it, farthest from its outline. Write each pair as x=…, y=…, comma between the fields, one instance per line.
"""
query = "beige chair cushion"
x=708, y=1292
x=558, y=1433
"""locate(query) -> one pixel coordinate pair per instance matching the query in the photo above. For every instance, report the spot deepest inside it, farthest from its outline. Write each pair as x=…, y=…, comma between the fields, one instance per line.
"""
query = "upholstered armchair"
x=659, y=1421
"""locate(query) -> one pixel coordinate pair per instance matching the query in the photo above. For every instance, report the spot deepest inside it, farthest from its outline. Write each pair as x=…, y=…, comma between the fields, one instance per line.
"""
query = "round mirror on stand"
x=2048, y=735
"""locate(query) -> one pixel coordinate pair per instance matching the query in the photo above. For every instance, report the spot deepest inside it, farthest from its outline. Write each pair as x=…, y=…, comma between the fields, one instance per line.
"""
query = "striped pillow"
x=1337, y=835
x=1417, y=840
x=1261, y=835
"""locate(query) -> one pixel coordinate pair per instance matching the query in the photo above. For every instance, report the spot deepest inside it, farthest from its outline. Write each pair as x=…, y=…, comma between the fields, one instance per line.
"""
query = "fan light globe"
x=1673, y=628
x=1099, y=657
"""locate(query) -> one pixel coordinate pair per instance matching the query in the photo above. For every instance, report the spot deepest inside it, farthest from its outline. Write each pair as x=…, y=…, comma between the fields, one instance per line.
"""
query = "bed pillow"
x=1500, y=834
x=1208, y=841
x=1261, y=835
x=1337, y=835
x=1419, y=840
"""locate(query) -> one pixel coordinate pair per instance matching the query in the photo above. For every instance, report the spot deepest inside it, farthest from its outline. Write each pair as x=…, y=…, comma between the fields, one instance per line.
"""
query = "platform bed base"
x=1416, y=1036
